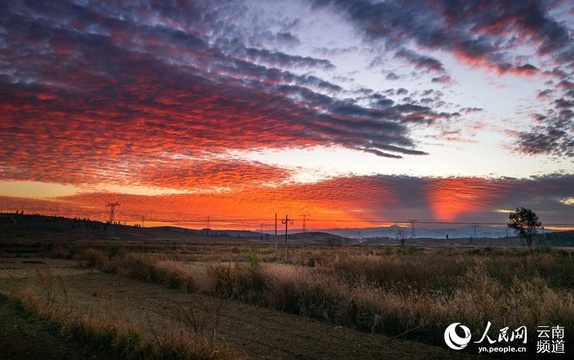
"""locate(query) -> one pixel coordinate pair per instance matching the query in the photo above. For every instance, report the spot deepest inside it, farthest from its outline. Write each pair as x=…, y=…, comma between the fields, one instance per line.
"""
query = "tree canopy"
x=525, y=223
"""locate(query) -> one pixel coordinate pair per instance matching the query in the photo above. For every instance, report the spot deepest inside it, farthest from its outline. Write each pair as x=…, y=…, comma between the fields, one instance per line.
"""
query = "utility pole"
x=304, y=225
x=276, y=235
x=287, y=222
x=143, y=221
x=112, y=207
x=474, y=226
x=412, y=222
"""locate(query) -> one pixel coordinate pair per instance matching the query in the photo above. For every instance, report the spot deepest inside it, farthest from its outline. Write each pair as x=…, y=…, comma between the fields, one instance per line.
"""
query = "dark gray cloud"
x=554, y=135
x=468, y=110
x=380, y=101
x=448, y=199
x=521, y=70
x=480, y=30
x=282, y=60
x=288, y=39
x=394, y=22
x=545, y=94
x=480, y=34
x=443, y=79
x=421, y=62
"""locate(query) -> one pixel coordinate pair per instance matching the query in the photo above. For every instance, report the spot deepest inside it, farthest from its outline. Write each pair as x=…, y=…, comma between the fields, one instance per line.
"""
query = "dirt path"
x=25, y=337
x=260, y=333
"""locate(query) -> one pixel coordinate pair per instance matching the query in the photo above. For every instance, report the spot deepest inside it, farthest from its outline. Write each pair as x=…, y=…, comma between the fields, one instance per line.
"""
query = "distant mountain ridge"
x=40, y=227
x=468, y=231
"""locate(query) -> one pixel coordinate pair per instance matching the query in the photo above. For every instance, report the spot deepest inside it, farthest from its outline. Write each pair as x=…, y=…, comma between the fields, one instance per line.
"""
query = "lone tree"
x=525, y=223
x=401, y=235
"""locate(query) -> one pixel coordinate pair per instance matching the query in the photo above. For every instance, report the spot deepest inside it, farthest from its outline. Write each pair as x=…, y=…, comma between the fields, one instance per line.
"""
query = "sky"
x=347, y=113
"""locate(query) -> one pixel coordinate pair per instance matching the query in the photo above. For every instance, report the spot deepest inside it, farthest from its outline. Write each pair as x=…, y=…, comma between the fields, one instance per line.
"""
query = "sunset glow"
x=350, y=113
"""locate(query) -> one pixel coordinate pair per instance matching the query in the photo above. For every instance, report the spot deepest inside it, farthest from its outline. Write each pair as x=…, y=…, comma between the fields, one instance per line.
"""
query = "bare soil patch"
x=26, y=337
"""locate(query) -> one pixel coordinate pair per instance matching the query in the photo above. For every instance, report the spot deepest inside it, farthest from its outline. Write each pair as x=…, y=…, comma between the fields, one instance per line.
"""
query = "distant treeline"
x=33, y=220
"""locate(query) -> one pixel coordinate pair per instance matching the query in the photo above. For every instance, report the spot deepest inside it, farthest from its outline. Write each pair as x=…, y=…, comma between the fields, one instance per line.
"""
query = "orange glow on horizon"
x=345, y=202
x=450, y=198
x=335, y=203
x=558, y=228
x=246, y=208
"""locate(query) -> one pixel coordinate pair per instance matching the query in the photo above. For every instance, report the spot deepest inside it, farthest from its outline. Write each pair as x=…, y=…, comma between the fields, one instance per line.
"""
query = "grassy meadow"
x=412, y=293
x=394, y=298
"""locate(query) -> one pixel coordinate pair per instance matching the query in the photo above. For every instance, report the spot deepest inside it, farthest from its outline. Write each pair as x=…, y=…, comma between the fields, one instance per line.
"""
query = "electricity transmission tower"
x=112, y=207
x=208, y=225
x=474, y=226
x=412, y=222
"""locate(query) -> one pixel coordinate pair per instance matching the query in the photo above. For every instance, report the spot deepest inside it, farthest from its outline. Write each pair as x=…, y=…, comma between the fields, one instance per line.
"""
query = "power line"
x=553, y=225
x=307, y=218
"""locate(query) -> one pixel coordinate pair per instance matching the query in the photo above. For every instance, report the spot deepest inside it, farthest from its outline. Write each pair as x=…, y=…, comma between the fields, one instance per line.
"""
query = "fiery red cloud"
x=206, y=174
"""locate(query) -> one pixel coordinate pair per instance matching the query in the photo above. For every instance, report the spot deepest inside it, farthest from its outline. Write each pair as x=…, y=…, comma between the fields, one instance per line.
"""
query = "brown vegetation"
x=110, y=332
x=415, y=293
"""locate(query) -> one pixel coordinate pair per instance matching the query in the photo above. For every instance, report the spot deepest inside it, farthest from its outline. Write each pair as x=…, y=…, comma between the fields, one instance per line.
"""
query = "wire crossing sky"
x=346, y=109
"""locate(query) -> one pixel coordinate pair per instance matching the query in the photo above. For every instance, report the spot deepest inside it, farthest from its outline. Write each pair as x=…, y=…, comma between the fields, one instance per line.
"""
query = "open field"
x=258, y=333
x=201, y=298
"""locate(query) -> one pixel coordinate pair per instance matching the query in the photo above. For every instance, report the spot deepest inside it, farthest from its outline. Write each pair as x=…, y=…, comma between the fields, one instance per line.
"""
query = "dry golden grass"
x=384, y=290
x=111, y=330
